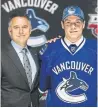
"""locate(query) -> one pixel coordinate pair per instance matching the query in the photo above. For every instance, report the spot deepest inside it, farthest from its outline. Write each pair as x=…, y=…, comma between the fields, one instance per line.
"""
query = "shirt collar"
x=77, y=43
x=17, y=47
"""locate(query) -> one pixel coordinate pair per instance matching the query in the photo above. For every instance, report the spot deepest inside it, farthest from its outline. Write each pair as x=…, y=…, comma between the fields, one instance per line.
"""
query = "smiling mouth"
x=21, y=36
x=73, y=31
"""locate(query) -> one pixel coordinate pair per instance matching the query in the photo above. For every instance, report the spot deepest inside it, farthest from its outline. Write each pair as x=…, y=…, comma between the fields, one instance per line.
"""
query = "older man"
x=20, y=66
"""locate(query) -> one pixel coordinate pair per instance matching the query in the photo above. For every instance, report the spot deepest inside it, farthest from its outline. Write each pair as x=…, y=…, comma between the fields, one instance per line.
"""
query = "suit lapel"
x=16, y=61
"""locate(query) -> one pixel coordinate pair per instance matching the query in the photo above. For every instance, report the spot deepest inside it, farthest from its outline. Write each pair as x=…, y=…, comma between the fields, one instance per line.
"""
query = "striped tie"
x=27, y=66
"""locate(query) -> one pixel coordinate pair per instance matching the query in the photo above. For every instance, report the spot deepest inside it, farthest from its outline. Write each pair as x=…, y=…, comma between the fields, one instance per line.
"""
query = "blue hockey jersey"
x=70, y=76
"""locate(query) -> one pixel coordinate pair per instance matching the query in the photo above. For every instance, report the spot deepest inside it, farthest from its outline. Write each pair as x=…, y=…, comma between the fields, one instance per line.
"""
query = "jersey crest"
x=65, y=88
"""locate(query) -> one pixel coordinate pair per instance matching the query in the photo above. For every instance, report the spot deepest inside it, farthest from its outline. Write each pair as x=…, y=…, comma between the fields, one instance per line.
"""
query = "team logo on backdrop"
x=93, y=23
x=37, y=24
x=67, y=86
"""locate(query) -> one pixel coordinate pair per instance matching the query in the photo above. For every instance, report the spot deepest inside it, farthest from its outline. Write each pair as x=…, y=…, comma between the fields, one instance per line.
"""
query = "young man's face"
x=19, y=30
x=73, y=27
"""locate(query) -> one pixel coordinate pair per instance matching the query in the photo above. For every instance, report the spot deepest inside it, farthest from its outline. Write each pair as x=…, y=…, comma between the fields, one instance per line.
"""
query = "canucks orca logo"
x=65, y=88
x=37, y=24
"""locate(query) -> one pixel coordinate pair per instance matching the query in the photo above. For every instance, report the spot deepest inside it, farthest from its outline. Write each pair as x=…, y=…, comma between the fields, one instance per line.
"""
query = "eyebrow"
x=70, y=20
x=18, y=25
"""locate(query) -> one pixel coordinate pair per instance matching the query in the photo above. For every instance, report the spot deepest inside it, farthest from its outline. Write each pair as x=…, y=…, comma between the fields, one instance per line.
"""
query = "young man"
x=19, y=66
x=69, y=66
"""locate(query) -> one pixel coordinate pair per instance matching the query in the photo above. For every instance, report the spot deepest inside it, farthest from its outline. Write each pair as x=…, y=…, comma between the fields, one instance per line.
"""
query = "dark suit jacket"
x=15, y=91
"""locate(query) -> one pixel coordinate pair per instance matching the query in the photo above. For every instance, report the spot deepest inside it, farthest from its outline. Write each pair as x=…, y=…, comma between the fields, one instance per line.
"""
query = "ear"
x=10, y=31
x=30, y=28
x=83, y=24
x=62, y=24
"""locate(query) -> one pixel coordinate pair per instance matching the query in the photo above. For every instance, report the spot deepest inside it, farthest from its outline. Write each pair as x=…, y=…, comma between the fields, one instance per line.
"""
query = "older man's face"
x=19, y=30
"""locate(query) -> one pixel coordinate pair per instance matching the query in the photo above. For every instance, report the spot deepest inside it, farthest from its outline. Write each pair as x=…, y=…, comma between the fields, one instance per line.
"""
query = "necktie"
x=73, y=48
x=27, y=66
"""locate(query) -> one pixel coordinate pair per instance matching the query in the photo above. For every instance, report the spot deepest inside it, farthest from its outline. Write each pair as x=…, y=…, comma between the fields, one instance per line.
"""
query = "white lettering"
x=72, y=64
x=86, y=68
x=62, y=66
x=17, y=3
x=11, y=6
x=43, y=2
x=24, y=4
x=83, y=66
x=66, y=63
x=90, y=70
x=48, y=5
x=5, y=6
x=37, y=3
x=30, y=3
x=78, y=64
x=59, y=70
x=53, y=8
x=55, y=71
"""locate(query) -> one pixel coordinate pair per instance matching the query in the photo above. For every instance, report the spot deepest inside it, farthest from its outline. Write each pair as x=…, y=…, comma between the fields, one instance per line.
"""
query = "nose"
x=73, y=25
x=20, y=30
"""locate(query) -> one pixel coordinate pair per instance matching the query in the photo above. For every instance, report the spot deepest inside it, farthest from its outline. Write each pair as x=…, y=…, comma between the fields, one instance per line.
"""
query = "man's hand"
x=54, y=39
x=43, y=96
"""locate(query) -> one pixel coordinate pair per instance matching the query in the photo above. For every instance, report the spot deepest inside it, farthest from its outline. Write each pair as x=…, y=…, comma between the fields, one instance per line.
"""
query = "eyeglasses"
x=76, y=24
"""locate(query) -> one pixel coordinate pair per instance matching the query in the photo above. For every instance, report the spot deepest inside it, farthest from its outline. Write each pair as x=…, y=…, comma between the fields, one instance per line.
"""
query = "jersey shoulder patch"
x=43, y=49
x=48, y=49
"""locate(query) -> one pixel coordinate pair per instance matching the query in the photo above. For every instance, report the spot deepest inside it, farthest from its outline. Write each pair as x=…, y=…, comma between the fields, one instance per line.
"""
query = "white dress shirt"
x=76, y=43
x=18, y=49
